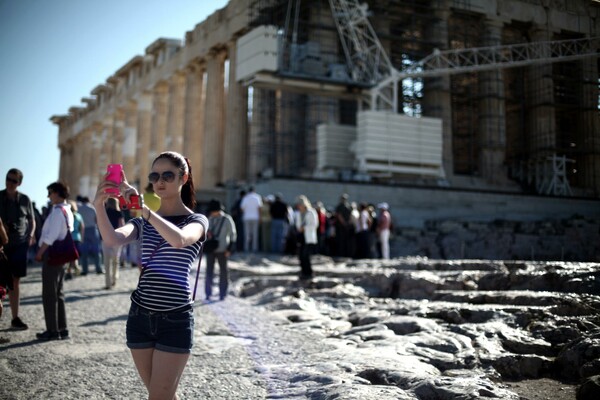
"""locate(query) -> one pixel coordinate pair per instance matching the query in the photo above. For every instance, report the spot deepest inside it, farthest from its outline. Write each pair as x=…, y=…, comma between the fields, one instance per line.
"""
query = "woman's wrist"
x=148, y=214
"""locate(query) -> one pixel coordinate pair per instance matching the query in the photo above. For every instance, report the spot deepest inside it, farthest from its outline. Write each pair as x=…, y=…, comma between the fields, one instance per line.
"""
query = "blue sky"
x=54, y=52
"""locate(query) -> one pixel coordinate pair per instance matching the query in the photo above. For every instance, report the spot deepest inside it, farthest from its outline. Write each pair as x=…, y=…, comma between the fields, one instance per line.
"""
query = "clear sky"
x=54, y=52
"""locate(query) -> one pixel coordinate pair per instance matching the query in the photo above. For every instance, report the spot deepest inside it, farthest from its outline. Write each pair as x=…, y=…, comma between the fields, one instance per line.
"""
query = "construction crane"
x=368, y=62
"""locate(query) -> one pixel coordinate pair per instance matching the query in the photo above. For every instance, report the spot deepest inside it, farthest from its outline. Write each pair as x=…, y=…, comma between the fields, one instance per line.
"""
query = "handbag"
x=212, y=244
x=62, y=251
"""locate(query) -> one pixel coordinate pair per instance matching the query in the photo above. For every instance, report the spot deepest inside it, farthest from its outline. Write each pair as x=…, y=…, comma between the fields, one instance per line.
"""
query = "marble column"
x=128, y=149
x=107, y=138
x=541, y=119
x=236, y=124
x=492, y=114
x=588, y=143
x=193, y=137
x=118, y=137
x=176, y=116
x=67, y=164
x=212, y=152
x=85, y=166
x=295, y=119
x=64, y=155
x=437, y=100
x=96, y=169
x=144, y=131
x=261, y=125
x=160, y=108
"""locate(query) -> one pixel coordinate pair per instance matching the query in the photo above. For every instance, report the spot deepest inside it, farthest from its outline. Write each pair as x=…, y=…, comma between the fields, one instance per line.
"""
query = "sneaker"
x=18, y=324
x=64, y=334
x=47, y=335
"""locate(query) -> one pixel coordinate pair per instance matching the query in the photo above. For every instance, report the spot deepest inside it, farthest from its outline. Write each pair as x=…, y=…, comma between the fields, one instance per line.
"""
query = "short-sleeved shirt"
x=88, y=213
x=77, y=221
x=164, y=284
x=251, y=204
x=16, y=215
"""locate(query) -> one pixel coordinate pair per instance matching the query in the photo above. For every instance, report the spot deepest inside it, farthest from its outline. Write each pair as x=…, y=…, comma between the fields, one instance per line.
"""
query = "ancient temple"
x=263, y=89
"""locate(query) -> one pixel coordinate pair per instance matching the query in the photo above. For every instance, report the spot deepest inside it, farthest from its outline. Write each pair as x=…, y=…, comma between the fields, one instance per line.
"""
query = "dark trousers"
x=304, y=253
x=210, y=273
x=53, y=297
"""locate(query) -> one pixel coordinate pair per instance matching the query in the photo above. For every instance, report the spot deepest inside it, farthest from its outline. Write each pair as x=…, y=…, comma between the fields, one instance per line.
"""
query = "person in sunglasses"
x=16, y=212
x=160, y=325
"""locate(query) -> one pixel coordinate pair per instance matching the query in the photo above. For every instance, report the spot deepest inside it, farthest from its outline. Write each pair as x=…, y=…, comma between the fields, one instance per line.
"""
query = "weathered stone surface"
x=509, y=319
x=589, y=389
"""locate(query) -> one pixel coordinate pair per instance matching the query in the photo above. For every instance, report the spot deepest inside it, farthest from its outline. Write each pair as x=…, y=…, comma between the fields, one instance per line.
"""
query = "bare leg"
x=160, y=371
x=142, y=358
x=166, y=373
x=13, y=298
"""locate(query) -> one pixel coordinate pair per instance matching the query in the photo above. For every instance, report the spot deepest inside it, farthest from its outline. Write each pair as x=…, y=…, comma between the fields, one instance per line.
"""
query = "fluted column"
x=175, y=124
x=85, y=171
x=236, y=125
x=260, y=127
x=212, y=152
x=588, y=144
x=297, y=115
x=193, y=137
x=541, y=120
x=144, y=131
x=492, y=114
x=64, y=155
x=160, y=109
x=130, y=140
x=67, y=165
x=105, y=157
x=96, y=169
x=437, y=101
x=118, y=136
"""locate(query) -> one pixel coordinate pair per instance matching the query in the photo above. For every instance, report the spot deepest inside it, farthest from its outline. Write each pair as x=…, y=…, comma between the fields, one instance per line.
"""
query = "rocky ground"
x=409, y=328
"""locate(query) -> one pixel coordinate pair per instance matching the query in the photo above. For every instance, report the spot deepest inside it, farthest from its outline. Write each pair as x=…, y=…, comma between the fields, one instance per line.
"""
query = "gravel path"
x=236, y=347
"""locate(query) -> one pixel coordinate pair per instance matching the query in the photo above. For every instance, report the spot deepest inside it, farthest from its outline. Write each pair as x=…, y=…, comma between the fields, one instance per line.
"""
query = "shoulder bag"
x=212, y=244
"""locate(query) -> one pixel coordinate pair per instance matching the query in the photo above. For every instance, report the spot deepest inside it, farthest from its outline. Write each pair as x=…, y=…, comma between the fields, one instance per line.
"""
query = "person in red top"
x=322, y=228
x=384, y=224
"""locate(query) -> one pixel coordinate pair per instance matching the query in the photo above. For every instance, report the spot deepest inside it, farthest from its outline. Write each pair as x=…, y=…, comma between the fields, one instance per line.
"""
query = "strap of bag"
x=66, y=218
x=197, y=271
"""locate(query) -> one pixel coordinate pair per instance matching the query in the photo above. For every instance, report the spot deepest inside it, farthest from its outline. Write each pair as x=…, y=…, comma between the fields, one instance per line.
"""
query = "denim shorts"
x=171, y=331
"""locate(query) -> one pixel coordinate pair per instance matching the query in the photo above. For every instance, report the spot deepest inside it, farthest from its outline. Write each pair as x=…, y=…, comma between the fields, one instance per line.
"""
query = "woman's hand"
x=126, y=189
x=101, y=194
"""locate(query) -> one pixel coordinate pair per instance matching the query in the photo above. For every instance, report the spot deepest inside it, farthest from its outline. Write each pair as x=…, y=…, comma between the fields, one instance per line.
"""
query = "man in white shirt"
x=251, y=204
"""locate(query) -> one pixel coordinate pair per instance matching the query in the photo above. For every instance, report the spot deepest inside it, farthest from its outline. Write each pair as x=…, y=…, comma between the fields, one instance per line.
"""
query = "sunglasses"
x=12, y=180
x=167, y=176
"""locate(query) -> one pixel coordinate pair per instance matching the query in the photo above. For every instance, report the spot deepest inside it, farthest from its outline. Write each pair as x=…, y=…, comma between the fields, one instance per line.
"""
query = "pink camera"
x=114, y=175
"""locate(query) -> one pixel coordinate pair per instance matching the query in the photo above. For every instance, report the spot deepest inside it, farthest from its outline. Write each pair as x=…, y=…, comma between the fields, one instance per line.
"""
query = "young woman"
x=160, y=326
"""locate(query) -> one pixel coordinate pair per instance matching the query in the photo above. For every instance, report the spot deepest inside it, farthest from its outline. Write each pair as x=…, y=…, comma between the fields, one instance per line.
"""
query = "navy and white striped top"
x=164, y=284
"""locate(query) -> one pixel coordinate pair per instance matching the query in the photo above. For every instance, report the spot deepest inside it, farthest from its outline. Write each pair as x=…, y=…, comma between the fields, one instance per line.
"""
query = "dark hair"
x=17, y=172
x=188, y=193
x=59, y=188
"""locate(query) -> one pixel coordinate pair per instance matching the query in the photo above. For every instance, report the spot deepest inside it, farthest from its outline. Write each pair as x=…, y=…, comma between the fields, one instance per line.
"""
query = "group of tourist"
x=268, y=224
x=165, y=240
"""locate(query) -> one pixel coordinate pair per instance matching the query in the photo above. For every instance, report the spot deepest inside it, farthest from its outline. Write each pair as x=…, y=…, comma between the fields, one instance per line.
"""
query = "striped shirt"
x=164, y=284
